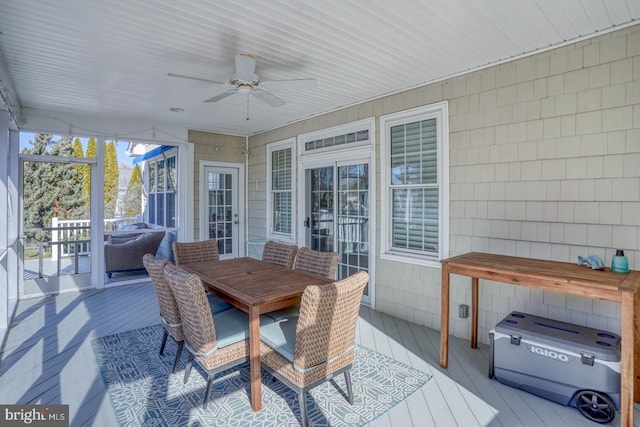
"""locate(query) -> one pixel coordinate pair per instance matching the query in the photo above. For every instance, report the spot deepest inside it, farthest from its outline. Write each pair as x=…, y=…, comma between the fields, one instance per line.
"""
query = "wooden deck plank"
x=48, y=359
x=456, y=369
x=400, y=339
x=443, y=397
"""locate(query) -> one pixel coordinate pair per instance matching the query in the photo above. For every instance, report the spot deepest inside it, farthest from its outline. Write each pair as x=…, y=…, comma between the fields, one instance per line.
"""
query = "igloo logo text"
x=549, y=353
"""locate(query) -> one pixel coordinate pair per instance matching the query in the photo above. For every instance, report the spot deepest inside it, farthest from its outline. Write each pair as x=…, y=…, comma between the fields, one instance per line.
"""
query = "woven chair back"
x=169, y=313
x=319, y=263
x=279, y=253
x=188, y=252
x=327, y=324
x=197, y=321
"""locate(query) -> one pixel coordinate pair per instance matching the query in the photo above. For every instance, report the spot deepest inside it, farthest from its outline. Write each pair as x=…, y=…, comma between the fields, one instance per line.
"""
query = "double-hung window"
x=161, y=193
x=280, y=190
x=414, y=150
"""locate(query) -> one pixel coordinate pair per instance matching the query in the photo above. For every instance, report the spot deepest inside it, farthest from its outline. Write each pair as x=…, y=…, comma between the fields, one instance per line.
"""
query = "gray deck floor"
x=68, y=280
x=47, y=358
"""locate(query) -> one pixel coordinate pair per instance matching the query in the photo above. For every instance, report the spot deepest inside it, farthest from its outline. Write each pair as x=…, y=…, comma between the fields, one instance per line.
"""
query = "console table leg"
x=474, y=312
x=627, y=377
x=444, y=320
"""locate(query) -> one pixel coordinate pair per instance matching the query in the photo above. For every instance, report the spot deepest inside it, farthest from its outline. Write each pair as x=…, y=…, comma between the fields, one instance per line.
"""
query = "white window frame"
x=439, y=111
x=360, y=125
x=173, y=152
x=289, y=143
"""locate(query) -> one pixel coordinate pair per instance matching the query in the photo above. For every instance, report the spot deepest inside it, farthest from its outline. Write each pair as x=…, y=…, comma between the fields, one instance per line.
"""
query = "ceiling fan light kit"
x=245, y=81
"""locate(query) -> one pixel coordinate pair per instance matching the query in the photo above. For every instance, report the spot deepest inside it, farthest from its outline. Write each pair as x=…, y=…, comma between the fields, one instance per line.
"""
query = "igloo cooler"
x=568, y=364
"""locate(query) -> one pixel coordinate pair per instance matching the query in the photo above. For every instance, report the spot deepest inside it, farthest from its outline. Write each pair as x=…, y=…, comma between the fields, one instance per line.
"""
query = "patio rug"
x=144, y=392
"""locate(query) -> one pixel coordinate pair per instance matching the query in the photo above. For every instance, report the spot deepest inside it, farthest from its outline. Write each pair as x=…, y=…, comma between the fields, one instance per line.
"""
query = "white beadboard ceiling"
x=110, y=58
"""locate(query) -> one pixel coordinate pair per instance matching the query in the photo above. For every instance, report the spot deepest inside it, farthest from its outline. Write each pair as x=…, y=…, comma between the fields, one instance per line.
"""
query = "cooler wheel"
x=595, y=406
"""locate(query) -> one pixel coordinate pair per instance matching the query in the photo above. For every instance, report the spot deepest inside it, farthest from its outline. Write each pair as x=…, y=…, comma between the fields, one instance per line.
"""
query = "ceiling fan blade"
x=289, y=84
x=245, y=67
x=223, y=95
x=268, y=98
x=196, y=79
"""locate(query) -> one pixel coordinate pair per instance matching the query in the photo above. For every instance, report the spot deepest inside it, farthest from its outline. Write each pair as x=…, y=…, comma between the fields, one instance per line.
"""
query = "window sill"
x=411, y=259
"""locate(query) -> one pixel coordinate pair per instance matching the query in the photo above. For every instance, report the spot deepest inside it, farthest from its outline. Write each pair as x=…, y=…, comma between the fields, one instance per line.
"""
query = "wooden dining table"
x=562, y=277
x=255, y=287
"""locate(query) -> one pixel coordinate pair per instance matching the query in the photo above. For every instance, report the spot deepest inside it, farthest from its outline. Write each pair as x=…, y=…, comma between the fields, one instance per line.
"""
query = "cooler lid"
x=603, y=345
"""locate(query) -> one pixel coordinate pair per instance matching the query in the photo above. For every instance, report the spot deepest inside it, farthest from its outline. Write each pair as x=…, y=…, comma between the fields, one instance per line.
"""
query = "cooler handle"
x=515, y=339
x=587, y=358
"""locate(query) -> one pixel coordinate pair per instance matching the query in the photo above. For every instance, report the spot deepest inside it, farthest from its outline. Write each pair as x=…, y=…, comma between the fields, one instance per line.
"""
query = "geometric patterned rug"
x=143, y=391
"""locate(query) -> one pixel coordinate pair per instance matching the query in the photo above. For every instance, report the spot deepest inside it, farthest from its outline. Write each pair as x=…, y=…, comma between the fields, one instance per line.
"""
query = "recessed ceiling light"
x=176, y=109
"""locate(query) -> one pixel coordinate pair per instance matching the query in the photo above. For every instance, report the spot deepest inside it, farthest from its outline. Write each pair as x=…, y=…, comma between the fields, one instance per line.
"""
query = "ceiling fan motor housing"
x=237, y=82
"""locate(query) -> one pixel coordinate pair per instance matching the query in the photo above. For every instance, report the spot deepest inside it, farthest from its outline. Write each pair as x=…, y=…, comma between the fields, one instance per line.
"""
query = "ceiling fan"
x=245, y=81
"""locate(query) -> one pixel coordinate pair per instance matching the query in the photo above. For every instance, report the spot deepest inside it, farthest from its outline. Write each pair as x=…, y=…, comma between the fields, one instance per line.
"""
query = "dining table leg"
x=254, y=358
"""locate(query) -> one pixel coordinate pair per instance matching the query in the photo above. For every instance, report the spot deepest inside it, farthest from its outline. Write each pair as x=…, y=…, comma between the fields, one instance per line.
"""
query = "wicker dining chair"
x=217, y=342
x=207, y=250
x=187, y=252
x=323, y=264
x=169, y=315
x=279, y=253
x=306, y=350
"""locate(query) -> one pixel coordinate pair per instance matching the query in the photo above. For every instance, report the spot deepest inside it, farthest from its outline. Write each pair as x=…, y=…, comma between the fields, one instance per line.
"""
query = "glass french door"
x=337, y=214
x=220, y=209
x=321, y=209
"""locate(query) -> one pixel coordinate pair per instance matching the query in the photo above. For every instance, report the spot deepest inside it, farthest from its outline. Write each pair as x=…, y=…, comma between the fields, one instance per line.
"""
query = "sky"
x=121, y=147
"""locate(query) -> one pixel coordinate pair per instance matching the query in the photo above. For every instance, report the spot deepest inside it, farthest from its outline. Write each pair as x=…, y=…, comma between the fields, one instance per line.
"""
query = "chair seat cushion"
x=281, y=336
x=217, y=305
x=285, y=313
x=232, y=326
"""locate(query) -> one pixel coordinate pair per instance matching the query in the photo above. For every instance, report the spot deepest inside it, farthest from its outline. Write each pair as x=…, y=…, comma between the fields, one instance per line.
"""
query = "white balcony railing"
x=71, y=237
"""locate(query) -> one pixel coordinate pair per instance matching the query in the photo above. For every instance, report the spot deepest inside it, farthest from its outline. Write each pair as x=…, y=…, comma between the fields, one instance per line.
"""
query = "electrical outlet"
x=463, y=311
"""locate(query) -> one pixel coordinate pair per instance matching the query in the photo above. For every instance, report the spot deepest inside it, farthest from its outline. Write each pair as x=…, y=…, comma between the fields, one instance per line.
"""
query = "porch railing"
x=71, y=237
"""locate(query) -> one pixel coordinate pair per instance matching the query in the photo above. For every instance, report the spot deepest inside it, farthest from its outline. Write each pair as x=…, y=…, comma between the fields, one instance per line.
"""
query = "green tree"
x=66, y=182
x=86, y=181
x=133, y=196
x=36, y=206
x=83, y=174
x=78, y=152
x=50, y=189
x=111, y=175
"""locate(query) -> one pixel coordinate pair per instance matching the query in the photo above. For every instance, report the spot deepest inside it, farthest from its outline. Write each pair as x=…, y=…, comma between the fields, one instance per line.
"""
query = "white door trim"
x=335, y=160
x=240, y=188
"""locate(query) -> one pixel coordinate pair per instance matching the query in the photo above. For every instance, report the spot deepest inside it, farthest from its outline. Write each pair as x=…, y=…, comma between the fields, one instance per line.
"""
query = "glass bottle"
x=619, y=263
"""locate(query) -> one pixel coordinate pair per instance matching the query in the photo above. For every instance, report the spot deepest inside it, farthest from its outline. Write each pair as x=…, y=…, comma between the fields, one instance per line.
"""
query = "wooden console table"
x=563, y=277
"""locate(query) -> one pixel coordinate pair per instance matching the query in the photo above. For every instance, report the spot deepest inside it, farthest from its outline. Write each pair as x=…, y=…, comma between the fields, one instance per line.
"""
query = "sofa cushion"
x=130, y=227
x=136, y=226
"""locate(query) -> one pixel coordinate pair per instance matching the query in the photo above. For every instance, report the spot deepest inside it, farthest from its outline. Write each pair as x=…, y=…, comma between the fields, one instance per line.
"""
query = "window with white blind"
x=280, y=185
x=161, y=190
x=414, y=147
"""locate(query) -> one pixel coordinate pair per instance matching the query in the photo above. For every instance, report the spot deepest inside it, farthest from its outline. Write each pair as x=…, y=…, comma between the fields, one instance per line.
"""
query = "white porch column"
x=13, y=221
x=4, y=235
